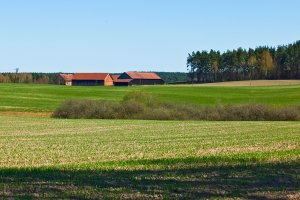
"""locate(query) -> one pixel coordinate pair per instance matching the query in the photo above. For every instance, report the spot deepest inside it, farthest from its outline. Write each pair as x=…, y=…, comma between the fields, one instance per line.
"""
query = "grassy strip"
x=29, y=114
x=239, y=159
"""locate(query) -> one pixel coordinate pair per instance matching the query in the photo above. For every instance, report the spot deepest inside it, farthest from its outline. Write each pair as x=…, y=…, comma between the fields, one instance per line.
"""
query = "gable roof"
x=143, y=75
x=90, y=76
x=115, y=77
x=66, y=77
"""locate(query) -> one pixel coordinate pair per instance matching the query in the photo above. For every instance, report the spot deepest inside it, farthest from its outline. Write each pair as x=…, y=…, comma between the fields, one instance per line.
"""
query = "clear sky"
x=135, y=35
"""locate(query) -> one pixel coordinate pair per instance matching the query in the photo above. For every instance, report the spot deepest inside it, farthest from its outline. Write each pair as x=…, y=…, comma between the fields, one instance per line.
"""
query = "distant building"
x=138, y=78
x=115, y=77
x=65, y=79
x=92, y=79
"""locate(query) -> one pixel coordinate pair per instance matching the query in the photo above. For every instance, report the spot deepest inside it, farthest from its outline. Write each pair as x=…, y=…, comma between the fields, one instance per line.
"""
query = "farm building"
x=65, y=79
x=92, y=79
x=115, y=77
x=138, y=78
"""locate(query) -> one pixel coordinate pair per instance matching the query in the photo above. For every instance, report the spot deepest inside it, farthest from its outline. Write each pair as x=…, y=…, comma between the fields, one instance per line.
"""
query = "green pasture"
x=45, y=98
x=136, y=159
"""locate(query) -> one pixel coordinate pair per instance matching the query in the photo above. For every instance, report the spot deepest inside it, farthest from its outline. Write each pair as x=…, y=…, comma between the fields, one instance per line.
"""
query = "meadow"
x=46, y=98
x=43, y=157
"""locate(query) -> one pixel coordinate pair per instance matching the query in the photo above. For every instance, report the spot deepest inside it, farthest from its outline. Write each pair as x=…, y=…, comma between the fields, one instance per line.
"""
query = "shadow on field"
x=254, y=181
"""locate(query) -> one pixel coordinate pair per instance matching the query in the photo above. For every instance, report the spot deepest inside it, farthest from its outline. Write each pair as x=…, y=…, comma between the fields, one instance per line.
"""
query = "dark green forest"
x=282, y=62
x=174, y=77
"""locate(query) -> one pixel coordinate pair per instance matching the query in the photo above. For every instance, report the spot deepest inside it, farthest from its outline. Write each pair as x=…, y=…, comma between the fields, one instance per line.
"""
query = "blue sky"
x=135, y=35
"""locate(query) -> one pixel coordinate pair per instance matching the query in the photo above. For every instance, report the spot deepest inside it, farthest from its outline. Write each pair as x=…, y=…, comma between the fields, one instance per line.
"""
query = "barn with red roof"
x=115, y=76
x=65, y=79
x=92, y=79
x=138, y=78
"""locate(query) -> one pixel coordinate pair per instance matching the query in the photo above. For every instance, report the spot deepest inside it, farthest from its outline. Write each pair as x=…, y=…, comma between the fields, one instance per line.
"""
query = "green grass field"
x=41, y=157
x=45, y=98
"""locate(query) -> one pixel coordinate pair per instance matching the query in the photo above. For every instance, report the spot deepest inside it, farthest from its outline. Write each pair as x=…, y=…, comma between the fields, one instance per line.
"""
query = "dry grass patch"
x=252, y=83
x=29, y=114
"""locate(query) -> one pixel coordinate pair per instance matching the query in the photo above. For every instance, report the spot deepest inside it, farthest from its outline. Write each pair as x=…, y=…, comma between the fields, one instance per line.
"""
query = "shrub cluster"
x=138, y=105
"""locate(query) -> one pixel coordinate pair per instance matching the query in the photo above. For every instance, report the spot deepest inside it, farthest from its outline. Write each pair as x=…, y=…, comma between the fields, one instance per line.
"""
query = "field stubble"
x=30, y=142
x=54, y=158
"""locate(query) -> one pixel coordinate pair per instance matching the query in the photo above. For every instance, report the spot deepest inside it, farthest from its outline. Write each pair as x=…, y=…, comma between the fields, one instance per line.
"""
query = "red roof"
x=115, y=77
x=90, y=76
x=143, y=75
x=67, y=77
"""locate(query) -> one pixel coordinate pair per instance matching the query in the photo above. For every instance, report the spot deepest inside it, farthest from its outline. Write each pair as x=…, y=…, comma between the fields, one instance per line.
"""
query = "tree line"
x=282, y=62
x=39, y=78
x=174, y=77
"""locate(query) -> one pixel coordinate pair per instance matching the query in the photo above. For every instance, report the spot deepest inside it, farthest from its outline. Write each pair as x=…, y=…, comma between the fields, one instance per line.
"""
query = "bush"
x=138, y=105
x=77, y=109
x=252, y=112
